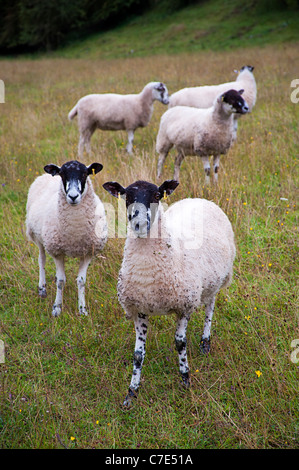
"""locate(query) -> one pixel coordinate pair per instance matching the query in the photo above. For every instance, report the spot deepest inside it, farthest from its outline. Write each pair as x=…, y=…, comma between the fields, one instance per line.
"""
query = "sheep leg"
x=60, y=282
x=81, y=280
x=84, y=141
x=216, y=161
x=161, y=161
x=177, y=164
x=141, y=324
x=129, y=146
x=42, y=274
x=207, y=168
x=205, y=339
x=181, y=347
x=235, y=122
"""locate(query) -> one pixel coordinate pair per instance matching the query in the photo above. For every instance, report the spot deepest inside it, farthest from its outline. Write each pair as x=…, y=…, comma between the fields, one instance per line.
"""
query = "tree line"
x=30, y=25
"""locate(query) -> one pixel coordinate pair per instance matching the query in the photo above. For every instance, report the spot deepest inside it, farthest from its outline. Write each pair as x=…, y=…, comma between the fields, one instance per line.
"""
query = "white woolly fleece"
x=182, y=268
x=204, y=96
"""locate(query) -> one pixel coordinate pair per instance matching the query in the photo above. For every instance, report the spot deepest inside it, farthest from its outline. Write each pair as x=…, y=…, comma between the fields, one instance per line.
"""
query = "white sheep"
x=204, y=96
x=111, y=111
x=174, y=262
x=66, y=218
x=202, y=132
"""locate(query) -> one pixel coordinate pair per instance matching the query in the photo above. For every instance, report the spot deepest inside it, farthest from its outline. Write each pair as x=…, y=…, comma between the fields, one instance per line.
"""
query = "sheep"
x=202, y=132
x=66, y=218
x=113, y=112
x=174, y=261
x=204, y=96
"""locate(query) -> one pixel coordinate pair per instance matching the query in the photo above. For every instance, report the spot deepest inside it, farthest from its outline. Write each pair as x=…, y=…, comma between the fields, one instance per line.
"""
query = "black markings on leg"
x=205, y=345
x=141, y=323
x=181, y=347
x=138, y=359
x=185, y=379
x=180, y=344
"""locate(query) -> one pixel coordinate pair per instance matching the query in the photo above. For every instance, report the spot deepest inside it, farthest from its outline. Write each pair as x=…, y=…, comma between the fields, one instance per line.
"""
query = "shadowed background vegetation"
x=64, y=379
x=144, y=26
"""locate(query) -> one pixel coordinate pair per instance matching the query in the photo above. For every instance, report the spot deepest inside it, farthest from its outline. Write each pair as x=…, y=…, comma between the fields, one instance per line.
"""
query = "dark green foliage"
x=31, y=24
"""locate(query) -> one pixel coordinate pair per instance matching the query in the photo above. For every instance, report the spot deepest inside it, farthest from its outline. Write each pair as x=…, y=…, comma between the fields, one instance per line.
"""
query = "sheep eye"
x=157, y=196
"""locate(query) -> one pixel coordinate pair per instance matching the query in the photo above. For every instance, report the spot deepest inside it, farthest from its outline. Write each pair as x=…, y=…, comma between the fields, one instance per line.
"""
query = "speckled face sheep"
x=204, y=96
x=201, y=132
x=66, y=218
x=111, y=111
x=173, y=263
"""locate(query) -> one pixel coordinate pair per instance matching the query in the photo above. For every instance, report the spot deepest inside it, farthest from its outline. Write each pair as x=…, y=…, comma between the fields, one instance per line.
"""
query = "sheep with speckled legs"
x=174, y=261
x=204, y=96
x=112, y=112
x=200, y=132
x=66, y=218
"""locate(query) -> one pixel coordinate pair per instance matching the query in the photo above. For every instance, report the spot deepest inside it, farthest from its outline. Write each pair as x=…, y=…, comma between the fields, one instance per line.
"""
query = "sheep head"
x=142, y=201
x=232, y=102
x=73, y=175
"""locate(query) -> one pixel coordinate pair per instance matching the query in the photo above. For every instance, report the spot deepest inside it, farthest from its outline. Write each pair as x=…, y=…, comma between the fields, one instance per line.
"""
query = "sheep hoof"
x=83, y=311
x=130, y=398
x=204, y=345
x=42, y=292
x=56, y=311
x=185, y=380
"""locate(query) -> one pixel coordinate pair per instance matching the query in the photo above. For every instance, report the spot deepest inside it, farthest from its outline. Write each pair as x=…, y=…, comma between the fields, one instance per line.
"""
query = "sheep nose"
x=137, y=227
x=73, y=198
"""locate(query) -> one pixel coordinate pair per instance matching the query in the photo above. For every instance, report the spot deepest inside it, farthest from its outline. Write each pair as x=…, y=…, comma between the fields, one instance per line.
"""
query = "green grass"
x=210, y=25
x=64, y=379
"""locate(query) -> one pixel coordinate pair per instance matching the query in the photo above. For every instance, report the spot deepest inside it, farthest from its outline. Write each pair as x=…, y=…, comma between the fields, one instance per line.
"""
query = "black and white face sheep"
x=201, y=132
x=142, y=200
x=204, y=96
x=66, y=218
x=174, y=262
x=73, y=175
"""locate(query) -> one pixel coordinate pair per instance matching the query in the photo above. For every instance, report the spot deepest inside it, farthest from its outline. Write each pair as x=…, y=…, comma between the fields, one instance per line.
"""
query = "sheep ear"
x=94, y=168
x=52, y=169
x=241, y=92
x=168, y=187
x=114, y=188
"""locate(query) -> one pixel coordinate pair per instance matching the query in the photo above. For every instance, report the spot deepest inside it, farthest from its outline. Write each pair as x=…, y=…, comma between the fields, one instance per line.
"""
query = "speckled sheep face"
x=73, y=175
x=160, y=93
x=233, y=102
x=142, y=200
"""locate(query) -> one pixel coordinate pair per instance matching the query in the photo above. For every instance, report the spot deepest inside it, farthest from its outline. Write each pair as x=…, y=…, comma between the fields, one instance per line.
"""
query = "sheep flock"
x=175, y=259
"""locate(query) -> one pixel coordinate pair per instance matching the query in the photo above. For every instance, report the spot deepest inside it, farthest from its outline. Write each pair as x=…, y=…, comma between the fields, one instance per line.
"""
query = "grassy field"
x=208, y=25
x=64, y=379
